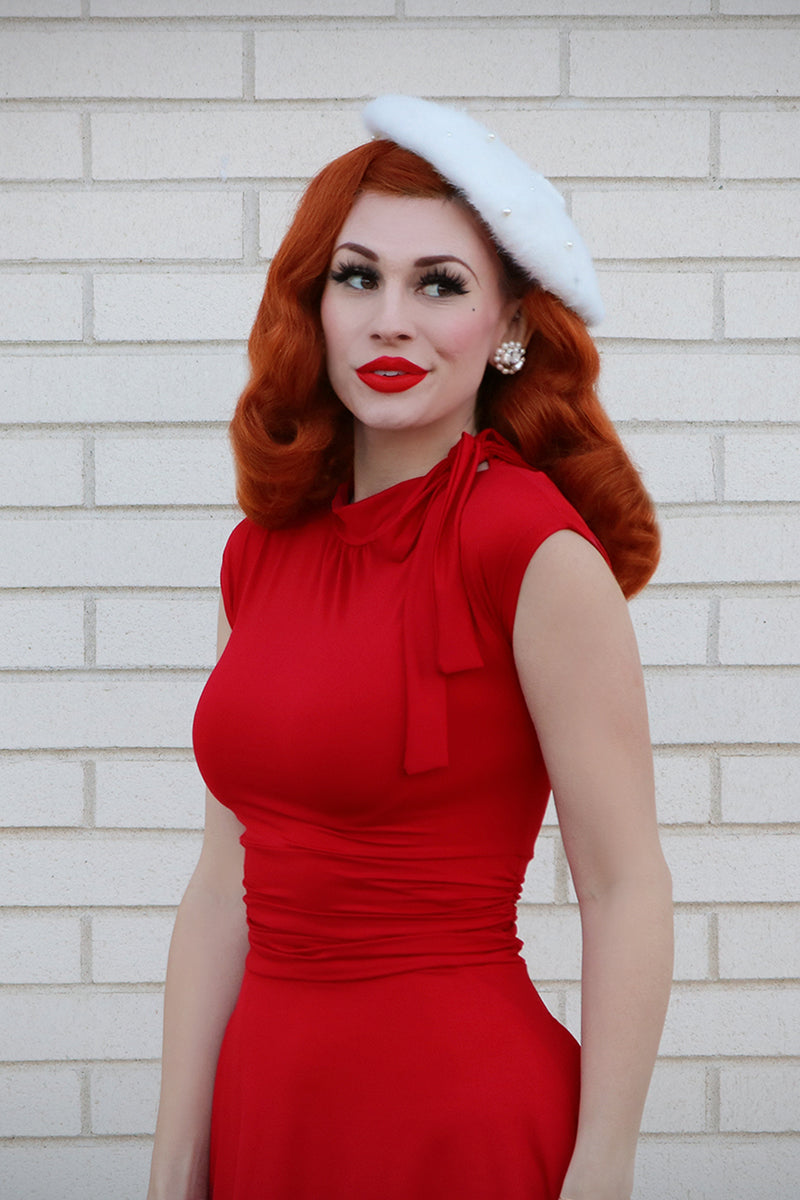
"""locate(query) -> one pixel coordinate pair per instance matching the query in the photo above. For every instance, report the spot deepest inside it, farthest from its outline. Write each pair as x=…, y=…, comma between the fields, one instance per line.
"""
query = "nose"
x=392, y=320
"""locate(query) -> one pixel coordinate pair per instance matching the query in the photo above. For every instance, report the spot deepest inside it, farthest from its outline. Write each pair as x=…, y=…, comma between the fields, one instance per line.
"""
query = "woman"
x=425, y=636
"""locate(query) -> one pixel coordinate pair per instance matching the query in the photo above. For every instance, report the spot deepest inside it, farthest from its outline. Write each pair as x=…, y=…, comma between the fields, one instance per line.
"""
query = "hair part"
x=293, y=439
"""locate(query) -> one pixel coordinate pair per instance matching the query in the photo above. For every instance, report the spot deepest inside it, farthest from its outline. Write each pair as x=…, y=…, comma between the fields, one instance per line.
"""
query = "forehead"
x=409, y=227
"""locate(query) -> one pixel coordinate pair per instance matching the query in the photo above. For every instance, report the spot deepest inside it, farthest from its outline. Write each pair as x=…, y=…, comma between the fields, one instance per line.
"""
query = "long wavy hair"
x=293, y=440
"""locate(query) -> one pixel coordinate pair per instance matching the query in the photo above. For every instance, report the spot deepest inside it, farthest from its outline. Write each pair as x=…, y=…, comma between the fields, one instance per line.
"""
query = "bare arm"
x=206, y=961
x=579, y=668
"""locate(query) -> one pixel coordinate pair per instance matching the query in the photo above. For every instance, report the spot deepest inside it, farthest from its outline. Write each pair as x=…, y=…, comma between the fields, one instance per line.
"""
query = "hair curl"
x=292, y=437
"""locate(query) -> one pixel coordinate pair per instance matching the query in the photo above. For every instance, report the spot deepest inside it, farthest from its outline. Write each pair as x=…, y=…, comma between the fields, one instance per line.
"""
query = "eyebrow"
x=430, y=260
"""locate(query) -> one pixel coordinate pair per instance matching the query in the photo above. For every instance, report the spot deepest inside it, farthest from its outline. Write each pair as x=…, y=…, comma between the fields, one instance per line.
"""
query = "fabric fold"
x=431, y=652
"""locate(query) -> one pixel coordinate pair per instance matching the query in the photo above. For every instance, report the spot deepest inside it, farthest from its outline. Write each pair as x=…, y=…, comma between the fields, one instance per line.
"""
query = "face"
x=412, y=310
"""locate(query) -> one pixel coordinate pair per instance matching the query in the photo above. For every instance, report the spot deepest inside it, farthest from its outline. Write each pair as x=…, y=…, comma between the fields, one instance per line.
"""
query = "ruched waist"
x=315, y=914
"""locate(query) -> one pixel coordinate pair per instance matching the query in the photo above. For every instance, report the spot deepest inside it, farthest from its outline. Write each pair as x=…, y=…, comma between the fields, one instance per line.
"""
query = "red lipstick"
x=401, y=374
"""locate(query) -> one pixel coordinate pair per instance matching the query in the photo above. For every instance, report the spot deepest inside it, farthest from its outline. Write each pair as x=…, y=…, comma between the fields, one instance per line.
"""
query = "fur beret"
x=523, y=210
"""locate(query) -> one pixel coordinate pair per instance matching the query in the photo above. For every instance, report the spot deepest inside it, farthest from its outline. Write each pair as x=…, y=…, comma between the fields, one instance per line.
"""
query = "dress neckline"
x=419, y=521
x=390, y=512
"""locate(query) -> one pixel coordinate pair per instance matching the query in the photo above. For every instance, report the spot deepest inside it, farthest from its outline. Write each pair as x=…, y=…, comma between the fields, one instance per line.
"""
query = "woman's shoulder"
x=245, y=538
x=242, y=551
x=510, y=499
x=511, y=511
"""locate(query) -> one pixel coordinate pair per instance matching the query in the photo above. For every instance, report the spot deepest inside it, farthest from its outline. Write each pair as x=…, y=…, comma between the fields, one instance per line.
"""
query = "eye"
x=441, y=283
x=356, y=276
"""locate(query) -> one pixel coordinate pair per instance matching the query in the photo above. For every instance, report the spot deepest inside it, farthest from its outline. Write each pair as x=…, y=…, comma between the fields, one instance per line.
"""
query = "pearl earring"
x=509, y=357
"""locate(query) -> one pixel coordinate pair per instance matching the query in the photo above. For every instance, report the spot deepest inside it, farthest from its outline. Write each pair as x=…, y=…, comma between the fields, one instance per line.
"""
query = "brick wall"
x=150, y=152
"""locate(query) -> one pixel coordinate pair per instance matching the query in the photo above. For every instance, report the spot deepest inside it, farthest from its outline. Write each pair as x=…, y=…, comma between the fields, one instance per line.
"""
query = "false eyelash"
x=347, y=270
x=457, y=283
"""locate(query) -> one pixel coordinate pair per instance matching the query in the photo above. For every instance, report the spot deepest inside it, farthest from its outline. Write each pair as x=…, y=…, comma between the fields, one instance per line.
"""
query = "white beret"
x=523, y=210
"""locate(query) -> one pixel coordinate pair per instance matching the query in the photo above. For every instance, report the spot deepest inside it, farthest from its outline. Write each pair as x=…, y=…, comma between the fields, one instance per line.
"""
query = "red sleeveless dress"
x=366, y=725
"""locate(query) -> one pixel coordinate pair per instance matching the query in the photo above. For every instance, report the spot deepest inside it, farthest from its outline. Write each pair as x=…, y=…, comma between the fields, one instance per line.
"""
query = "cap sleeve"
x=511, y=512
x=236, y=566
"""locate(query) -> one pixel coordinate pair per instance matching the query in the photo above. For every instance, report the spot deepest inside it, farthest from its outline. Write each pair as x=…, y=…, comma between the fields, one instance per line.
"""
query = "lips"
x=401, y=374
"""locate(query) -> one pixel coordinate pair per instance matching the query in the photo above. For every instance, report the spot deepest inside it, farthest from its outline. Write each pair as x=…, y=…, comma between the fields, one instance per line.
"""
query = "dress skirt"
x=440, y=1084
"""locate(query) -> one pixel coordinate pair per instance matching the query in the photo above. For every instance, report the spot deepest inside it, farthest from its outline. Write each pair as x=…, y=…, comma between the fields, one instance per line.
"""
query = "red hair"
x=292, y=437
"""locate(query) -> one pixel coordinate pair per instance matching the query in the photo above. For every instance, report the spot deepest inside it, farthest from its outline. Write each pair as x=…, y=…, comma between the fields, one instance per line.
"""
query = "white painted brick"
x=683, y=788
x=175, y=470
x=41, y=308
x=40, y=145
x=759, y=629
x=151, y=632
x=124, y=1098
x=242, y=8
x=762, y=466
x=730, y=547
x=676, y=467
x=40, y=8
x=38, y=1171
x=691, y=946
x=759, y=1097
x=97, y=868
x=732, y=1021
x=176, y=308
x=571, y=1016
x=759, y=8
x=759, y=943
x=700, y=387
x=617, y=143
x=136, y=793
x=113, y=551
x=41, y=792
x=40, y=1102
x=276, y=210
x=538, y=887
x=51, y=711
x=762, y=304
x=552, y=941
x=120, y=225
x=666, y=305
x=130, y=948
x=39, y=948
x=48, y=471
x=733, y=867
x=717, y=1168
x=676, y=1102
x=727, y=705
x=760, y=787
x=688, y=62
x=102, y=388
x=41, y=631
x=125, y=63
x=491, y=61
x=221, y=145
x=729, y=223
x=760, y=145
x=79, y=1023
x=671, y=629
x=524, y=8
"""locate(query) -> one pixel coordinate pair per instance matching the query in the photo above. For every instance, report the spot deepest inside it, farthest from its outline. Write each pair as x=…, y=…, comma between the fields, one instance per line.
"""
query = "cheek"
x=472, y=337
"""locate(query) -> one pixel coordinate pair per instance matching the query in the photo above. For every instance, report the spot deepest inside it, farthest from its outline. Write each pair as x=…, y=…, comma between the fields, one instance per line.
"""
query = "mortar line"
x=714, y=145
x=564, y=63
x=86, y=948
x=718, y=465
x=249, y=64
x=89, y=794
x=713, y=946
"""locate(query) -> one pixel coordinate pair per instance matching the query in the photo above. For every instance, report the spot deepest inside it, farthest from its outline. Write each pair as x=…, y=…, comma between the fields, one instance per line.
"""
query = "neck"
x=382, y=458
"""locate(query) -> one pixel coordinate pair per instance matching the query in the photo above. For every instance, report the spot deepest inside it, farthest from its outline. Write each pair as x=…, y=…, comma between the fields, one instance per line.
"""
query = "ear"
x=517, y=327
